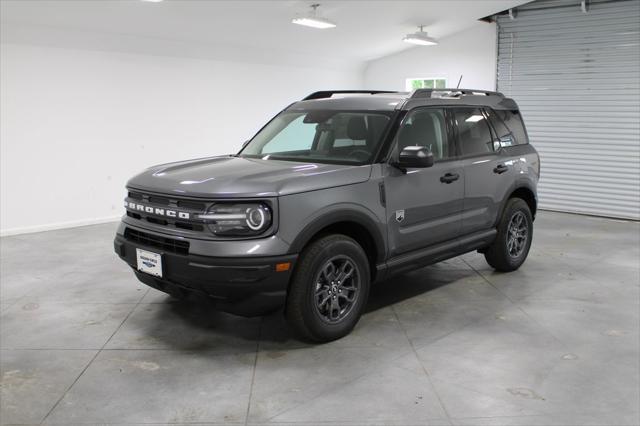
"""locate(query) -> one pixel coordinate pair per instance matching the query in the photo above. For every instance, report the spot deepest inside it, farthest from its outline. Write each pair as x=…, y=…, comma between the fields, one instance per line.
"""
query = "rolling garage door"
x=576, y=77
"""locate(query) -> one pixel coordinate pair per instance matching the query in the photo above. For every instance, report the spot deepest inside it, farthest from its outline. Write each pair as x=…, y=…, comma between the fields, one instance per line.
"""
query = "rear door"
x=488, y=172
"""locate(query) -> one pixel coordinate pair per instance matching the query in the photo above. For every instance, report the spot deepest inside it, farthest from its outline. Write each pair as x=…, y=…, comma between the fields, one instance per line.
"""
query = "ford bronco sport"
x=339, y=190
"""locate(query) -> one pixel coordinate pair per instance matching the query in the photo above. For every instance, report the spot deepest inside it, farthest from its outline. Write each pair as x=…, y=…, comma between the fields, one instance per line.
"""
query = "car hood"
x=229, y=177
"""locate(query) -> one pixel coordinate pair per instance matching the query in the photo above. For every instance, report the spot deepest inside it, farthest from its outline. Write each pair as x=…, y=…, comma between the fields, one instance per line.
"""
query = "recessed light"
x=313, y=20
x=420, y=38
x=152, y=1
x=474, y=119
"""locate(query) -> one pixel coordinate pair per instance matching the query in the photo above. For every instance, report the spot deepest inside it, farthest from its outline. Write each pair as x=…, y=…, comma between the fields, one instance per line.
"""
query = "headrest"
x=421, y=132
x=424, y=127
x=357, y=129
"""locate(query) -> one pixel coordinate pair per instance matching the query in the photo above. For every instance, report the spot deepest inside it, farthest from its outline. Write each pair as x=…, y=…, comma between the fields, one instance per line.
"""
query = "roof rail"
x=427, y=93
x=328, y=93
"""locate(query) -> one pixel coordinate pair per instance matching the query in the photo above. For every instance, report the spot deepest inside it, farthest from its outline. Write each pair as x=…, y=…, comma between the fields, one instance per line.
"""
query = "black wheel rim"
x=517, y=234
x=337, y=287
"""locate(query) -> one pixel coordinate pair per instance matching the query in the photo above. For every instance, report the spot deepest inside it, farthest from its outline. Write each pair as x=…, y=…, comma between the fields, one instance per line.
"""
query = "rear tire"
x=329, y=289
x=515, y=231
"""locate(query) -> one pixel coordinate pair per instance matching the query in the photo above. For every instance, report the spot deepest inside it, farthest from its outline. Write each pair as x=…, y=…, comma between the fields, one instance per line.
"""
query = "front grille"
x=162, y=201
x=182, y=225
x=163, y=243
x=169, y=202
x=192, y=206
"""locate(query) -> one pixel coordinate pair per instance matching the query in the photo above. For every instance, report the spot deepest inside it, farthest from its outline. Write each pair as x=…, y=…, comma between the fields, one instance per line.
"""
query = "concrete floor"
x=556, y=342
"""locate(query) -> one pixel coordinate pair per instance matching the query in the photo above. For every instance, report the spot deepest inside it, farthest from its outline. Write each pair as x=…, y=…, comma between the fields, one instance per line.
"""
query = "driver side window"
x=426, y=127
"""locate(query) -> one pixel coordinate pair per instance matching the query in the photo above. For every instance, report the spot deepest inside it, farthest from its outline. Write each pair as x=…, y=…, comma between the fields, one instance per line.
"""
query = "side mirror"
x=415, y=156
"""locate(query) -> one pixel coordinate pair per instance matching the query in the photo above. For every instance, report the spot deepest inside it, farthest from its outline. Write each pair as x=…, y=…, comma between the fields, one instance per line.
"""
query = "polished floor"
x=555, y=343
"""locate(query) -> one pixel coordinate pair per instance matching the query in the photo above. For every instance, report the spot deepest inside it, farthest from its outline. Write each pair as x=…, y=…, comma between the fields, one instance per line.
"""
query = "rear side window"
x=509, y=127
x=473, y=131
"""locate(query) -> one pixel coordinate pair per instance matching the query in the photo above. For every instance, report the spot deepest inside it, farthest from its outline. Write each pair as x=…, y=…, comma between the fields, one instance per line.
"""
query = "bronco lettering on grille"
x=156, y=210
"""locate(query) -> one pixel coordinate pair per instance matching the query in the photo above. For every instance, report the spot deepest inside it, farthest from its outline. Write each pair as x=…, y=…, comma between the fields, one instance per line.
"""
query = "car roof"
x=391, y=101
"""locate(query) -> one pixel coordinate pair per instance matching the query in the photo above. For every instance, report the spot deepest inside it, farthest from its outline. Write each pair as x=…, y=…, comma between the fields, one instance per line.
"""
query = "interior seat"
x=357, y=129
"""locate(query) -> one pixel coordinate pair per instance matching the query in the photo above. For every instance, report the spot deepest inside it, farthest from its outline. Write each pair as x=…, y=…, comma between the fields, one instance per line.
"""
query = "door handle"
x=500, y=168
x=449, y=177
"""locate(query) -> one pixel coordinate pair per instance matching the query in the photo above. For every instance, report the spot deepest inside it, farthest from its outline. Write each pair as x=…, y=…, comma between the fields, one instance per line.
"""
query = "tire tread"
x=296, y=308
x=496, y=255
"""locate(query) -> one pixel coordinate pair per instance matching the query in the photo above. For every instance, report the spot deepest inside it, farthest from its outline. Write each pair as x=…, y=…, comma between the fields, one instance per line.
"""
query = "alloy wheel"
x=517, y=234
x=337, y=287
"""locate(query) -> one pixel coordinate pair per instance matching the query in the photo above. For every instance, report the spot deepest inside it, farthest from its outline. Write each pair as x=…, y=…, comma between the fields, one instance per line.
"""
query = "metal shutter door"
x=576, y=78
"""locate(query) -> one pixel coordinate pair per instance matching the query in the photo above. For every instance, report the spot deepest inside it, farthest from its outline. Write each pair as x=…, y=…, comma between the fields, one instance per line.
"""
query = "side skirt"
x=436, y=253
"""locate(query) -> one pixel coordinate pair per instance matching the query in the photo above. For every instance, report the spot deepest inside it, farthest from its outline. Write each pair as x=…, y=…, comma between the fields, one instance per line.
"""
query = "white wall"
x=471, y=53
x=76, y=124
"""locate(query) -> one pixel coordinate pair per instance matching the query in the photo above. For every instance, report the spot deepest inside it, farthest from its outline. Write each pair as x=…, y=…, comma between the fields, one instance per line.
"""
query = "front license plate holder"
x=149, y=262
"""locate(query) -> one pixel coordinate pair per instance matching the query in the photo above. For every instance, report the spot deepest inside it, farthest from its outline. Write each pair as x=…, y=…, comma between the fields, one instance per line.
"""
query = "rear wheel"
x=329, y=289
x=515, y=230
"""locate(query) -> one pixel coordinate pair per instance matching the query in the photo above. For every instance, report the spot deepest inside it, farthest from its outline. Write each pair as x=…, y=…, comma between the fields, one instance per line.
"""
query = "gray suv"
x=339, y=190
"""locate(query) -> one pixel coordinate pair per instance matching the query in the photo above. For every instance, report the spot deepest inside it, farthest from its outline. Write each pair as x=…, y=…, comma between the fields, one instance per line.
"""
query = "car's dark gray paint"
x=432, y=210
x=233, y=177
x=400, y=101
x=411, y=217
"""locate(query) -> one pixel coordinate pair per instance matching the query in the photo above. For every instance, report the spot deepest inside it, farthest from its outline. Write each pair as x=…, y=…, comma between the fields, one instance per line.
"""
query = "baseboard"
x=594, y=215
x=59, y=225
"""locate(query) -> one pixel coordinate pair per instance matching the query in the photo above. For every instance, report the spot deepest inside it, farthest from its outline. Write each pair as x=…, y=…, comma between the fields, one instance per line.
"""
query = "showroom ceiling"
x=365, y=29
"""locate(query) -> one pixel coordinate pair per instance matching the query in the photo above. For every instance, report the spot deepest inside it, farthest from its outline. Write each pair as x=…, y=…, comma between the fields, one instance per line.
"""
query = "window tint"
x=320, y=136
x=426, y=127
x=509, y=126
x=297, y=136
x=473, y=131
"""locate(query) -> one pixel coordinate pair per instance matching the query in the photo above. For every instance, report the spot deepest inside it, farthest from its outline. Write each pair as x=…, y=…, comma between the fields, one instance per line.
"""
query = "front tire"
x=329, y=289
x=515, y=231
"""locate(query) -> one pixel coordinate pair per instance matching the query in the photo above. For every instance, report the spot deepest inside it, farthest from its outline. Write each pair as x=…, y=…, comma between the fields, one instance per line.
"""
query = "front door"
x=424, y=205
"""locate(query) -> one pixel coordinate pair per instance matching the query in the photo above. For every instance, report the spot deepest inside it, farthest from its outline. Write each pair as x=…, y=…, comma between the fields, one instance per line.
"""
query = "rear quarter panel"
x=525, y=172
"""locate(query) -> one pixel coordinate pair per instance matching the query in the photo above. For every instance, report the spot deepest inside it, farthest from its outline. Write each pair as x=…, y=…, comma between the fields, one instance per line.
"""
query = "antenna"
x=459, y=81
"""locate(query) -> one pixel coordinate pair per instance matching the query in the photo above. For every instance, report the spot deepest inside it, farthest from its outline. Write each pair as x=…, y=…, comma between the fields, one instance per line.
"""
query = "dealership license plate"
x=149, y=262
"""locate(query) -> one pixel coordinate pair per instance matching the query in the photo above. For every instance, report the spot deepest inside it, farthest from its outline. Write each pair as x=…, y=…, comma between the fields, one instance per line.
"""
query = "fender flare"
x=519, y=184
x=342, y=213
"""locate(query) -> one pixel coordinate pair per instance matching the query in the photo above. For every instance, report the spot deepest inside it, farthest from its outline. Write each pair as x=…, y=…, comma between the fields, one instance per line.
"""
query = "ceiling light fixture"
x=313, y=20
x=474, y=118
x=152, y=1
x=420, y=38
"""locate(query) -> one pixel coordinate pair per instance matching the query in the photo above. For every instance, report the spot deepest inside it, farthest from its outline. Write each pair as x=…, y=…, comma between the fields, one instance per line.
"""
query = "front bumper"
x=241, y=285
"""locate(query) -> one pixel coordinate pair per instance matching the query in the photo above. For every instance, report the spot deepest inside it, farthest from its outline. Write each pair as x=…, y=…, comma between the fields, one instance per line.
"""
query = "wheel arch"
x=525, y=193
x=352, y=223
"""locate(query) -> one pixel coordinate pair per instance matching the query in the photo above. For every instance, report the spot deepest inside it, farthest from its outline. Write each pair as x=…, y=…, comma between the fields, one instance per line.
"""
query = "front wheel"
x=515, y=231
x=329, y=289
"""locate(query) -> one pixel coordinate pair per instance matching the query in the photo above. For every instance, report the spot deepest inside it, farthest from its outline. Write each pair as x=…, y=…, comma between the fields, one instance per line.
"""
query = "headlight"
x=241, y=219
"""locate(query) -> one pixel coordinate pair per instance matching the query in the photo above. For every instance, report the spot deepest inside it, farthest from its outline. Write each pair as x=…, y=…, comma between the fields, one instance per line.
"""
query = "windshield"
x=343, y=137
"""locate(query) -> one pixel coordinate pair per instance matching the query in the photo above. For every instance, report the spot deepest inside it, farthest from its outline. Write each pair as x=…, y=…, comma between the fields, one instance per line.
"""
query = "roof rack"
x=452, y=93
x=328, y=93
